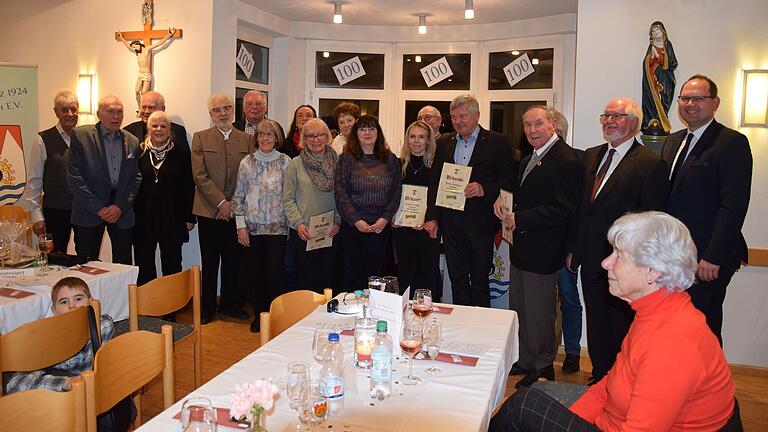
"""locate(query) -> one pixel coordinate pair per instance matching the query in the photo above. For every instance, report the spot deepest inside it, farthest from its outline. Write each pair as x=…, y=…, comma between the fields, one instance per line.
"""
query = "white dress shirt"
x=35, y=170
x=621, y=151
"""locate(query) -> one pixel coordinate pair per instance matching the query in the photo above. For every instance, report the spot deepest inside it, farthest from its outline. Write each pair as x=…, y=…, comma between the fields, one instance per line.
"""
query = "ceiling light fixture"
x=469, y=9
x=337, y=13
x=535, y=61
x=418, y=59
x=326, y=54
x=515, y=52
x=422, y=24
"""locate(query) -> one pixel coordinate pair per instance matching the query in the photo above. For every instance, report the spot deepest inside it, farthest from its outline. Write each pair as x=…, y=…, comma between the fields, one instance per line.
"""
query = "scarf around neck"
x=321, y=169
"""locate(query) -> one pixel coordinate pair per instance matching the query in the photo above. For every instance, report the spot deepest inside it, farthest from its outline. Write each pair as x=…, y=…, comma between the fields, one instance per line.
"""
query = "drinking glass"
x=390, y=284
x=45, y=243
x=433, y=333
x=422, y=303
x=313, y=406
x=198, y=415
x=319, y=342
x=375, y=283
x=410, y=344
x=298, y=373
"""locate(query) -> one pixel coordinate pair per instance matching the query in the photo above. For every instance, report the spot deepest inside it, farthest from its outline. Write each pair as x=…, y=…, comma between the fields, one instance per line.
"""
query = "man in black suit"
x=468, y=234
x=152, y=101
x=710, y=176
x=619, y=176
x=545, y=203
x=254, y=111
x=104, y=177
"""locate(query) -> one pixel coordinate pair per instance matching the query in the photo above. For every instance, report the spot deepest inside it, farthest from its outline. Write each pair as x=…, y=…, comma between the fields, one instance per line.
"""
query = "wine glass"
x=390, y=284
x=298, y=373
x=198, y=415
x=45, y=243
x=410, y=344
x=319, y=342
x=433, y=333
x=422, y=303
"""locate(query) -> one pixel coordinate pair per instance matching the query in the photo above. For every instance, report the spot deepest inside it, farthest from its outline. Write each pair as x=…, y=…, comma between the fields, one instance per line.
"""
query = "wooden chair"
x=45, y=410
x=19, y=214
x=123, y=366
x=288, y=309
x=166, y=295
x=46, y=342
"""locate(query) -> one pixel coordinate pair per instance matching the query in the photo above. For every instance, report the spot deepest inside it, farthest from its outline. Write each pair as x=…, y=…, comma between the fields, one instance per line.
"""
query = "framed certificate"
x=413, y=206
x=453, y=180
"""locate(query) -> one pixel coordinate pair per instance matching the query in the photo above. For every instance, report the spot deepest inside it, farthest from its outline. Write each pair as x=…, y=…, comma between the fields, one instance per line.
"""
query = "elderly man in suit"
x=619, y=176
x=254, y=111
x=545, y=203
x=104, y=177
x=216, y=156
x=710, y=179
x=152, y=101
x=468, y=234
x=431, y=116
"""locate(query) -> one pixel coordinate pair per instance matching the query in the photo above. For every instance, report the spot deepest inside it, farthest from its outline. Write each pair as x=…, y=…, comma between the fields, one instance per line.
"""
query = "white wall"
x=714, y=37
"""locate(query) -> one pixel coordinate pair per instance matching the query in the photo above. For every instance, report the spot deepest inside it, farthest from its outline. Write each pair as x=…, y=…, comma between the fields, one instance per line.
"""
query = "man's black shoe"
x=206, y=319
x=232, y=312
x=547, y=373
x=255, y=326
x=518, y=370
x=571, y=363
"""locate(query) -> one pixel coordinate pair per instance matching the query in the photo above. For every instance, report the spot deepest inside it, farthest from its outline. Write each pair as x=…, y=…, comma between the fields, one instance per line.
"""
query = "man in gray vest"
x=47, y=174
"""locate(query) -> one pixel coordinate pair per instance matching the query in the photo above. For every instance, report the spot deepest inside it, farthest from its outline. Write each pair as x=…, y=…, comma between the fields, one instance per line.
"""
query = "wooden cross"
x=148, y=33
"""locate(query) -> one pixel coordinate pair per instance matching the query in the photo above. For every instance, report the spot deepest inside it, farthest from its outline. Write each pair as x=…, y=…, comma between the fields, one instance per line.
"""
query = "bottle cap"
x=358, y=293
x=333, y=337
x=381, y=326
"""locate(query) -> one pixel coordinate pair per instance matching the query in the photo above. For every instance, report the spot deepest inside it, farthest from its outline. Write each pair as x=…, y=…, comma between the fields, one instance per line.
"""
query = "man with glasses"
x=710, y=180
x=216, y=156
x=104, y=177
x=254, y=111
x=619, y=176
x=431, y=116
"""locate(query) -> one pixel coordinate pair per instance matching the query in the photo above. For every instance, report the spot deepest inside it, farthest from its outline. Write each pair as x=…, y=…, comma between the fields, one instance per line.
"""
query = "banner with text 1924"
x=18, y=127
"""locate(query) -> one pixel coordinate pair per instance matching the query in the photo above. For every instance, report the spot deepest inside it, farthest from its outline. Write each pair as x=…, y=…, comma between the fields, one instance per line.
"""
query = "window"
x=255, y=56
x=507, y=119
x=370, y=107
x=373, y=64
x=412, y=108
x=460, y=66
x=541, y=59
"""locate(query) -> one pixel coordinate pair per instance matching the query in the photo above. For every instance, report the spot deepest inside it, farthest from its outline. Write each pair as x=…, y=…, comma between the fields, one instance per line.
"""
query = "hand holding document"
x=453, y=180
x=413, y=206
x=319, y=231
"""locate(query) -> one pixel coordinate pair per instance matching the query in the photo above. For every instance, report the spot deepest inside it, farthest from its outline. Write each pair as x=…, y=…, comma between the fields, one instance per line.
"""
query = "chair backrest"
x=165, y=295
x=124, y=365
x=45, y=410
x=46, y=342
x=288, y=309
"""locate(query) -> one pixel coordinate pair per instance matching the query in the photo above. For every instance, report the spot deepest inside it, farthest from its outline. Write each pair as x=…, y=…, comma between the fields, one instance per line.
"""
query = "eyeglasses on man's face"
x=219, y=110
x=612, y=116
x=693, y=99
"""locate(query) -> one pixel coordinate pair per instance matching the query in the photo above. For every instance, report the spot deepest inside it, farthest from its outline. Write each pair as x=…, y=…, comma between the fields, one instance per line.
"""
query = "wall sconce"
x=337, y=18
x=85, y=93
x=754, y=101
x=422, y=24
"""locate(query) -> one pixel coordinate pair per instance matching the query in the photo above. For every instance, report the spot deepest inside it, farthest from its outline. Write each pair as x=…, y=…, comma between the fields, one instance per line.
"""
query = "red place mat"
x=458, y=359
x=445, y=310
x=222, y=418
x=348, y=332
x=92, y=270
x=14, y=293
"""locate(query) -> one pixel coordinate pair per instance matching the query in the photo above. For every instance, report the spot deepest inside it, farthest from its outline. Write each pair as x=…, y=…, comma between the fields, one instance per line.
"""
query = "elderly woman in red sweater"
x=671, y=374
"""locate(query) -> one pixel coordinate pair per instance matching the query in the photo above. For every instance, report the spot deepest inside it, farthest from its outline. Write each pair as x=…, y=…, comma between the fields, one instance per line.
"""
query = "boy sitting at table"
x=68, y=293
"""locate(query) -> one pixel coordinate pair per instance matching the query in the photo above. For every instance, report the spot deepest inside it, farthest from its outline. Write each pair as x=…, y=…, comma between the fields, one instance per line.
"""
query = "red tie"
x=601, y=175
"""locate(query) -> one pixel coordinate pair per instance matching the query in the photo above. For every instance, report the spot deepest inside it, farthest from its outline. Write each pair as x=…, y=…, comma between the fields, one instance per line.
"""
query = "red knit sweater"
x=671, y=374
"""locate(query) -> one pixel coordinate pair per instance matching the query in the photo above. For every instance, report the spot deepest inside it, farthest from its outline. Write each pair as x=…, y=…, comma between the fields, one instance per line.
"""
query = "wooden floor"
x=227, y=341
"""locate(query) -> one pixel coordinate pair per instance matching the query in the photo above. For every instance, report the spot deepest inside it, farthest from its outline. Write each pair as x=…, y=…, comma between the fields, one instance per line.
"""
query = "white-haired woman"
x=670, y=374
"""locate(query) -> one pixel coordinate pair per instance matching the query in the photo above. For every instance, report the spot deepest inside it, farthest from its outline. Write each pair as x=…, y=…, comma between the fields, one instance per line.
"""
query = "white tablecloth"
x=110, y=288
x=462, y=398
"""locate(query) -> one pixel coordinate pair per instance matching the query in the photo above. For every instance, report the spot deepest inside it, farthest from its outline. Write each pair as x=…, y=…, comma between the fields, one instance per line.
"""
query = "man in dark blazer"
x=468, y=235
x=545, y=203
x=104, y=177
x=710, y=181
x=619, y=176
x=254, y=111
x=152, y=101
x=216, y=156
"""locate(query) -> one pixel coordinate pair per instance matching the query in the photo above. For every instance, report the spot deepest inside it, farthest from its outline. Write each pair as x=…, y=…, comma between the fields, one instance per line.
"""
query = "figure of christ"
x=144, y=57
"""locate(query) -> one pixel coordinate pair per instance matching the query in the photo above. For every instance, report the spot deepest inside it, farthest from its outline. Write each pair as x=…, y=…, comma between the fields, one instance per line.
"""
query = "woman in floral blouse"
x=262, y=227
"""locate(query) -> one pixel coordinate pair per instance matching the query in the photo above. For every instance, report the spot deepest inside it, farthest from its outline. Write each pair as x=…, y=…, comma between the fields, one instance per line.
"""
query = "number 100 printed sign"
x=349, y=70
x=436, y=71
x=518, y=69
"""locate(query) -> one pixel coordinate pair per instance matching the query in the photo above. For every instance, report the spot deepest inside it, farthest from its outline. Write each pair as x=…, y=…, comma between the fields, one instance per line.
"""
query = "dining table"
x=26, y=298
x=480, y=345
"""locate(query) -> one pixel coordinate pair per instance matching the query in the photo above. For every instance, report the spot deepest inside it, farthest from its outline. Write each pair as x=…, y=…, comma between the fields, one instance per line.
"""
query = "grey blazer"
x=89, y=182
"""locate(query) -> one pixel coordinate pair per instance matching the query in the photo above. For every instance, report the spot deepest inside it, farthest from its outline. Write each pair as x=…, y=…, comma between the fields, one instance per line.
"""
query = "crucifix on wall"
x=142, y=46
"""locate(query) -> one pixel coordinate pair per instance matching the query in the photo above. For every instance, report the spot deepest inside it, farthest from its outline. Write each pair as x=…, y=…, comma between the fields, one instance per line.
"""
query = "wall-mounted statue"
x=659, y=81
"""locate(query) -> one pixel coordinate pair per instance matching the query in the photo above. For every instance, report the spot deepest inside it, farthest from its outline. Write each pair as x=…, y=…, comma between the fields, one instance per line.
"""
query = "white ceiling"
x=403, y=12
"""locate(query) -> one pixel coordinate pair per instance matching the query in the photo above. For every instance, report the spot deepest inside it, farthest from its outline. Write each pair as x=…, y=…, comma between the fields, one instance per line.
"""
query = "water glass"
x=198, y=415
x=313, y=405
x=298, y=373
x=319, y=341
x=375, y=283
x=390, y=284
x=433, y=334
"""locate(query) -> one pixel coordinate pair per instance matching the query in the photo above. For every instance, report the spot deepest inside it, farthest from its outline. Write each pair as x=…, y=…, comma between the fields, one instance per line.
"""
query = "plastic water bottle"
x=332, y=374
x=381, y=357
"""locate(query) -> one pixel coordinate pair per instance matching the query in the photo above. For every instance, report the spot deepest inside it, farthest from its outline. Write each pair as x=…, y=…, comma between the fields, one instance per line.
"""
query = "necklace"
x=415, y=171
x=157, y=157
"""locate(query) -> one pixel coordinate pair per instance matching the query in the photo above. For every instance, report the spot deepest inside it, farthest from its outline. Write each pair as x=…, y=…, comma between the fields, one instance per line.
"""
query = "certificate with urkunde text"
x=506, y=209
x=319, y=228
x=453, y=179
x=413, y=206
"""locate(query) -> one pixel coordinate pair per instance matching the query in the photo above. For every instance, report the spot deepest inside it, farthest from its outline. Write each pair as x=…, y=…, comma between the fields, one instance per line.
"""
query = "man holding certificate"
x=482, y=161
x=545, y=203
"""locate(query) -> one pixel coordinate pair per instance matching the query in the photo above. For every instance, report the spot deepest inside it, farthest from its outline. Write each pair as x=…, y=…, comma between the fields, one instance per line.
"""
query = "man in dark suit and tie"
x=104, y=177
x=152, y=101
x=468, y=234
x=619, y=176
x=545, y=203
x=710, y=180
